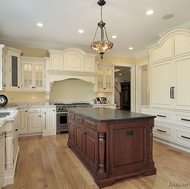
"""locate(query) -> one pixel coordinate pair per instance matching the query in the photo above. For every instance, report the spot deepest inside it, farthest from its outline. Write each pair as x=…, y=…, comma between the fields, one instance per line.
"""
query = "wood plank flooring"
x=47, y=163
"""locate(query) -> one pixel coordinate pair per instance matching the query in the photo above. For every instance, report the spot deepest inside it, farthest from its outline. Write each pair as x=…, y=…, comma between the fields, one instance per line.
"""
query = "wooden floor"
x=47, y=163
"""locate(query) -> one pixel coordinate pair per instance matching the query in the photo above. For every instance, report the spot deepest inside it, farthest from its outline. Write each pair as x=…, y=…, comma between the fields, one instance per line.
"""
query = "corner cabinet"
x=170, y=91
x=105, y=78
x=33, y=70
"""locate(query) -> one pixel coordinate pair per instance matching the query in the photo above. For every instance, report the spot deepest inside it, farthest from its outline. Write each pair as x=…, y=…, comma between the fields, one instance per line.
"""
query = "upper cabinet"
x=1, y=66
x=73, y=60
x=170, y=65
x=33, y=70
x=174, y=43
x=105, y=78
x=13, y=69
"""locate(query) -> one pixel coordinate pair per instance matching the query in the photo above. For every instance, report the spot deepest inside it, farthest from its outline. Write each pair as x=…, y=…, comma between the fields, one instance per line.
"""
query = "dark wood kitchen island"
x=113, y=144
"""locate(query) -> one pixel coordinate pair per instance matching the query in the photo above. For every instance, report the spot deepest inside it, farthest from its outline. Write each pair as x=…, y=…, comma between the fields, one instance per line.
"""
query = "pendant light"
x=104, y=44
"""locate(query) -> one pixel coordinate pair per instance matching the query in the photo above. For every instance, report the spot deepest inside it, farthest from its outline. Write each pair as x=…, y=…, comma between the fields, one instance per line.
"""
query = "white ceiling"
x=62, y=19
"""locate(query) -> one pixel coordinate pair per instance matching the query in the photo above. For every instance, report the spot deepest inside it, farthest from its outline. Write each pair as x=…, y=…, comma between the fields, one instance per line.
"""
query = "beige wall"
x=16, y=97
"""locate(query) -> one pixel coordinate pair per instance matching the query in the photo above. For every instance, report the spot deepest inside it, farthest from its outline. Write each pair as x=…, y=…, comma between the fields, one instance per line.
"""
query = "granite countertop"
x=108, y=115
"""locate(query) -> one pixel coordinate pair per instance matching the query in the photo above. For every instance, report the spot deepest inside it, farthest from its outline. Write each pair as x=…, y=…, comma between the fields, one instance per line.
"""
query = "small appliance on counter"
x=101, y=100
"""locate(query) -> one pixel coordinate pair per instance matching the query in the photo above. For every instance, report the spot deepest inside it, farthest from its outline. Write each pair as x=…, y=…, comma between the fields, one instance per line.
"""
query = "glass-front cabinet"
x=105, y=78
x=33, y=73
x=13, y=69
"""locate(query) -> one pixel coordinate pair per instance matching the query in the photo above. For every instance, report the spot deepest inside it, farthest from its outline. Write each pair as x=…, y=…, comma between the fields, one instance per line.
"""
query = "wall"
x=23, y=97
x=69, y=91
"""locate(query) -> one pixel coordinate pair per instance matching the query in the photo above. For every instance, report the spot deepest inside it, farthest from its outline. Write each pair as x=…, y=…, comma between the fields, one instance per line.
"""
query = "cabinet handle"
x=16, y=129
x=185, y=119
x=185, y=137
x=40, y=116
x=18, y=86
x=161, y=131
x=172, y=92
x=161, y=115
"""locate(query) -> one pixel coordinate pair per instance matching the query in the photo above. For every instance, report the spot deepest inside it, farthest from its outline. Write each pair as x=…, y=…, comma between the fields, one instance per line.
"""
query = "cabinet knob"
x=40, y=116
x=16, y=129
x=18, y=86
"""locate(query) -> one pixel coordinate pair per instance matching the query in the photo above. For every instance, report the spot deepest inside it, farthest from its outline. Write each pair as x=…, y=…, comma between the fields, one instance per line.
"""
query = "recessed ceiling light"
x=130, y=48
x=40, y=24
x=149, y=12
x=80, y=31
x=114, y=36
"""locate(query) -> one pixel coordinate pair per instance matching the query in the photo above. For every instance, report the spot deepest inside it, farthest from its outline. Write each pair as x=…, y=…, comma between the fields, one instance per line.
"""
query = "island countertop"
x=108, y=115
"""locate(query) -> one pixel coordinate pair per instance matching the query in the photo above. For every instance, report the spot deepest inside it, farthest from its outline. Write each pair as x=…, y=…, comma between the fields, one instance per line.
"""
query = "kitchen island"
x=113, y=144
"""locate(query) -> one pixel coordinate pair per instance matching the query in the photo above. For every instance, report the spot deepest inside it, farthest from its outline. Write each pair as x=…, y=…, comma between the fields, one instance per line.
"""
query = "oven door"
x=61, y=122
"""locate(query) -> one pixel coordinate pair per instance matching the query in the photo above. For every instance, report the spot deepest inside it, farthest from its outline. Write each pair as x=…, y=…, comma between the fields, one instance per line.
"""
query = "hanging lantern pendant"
x=101, y=46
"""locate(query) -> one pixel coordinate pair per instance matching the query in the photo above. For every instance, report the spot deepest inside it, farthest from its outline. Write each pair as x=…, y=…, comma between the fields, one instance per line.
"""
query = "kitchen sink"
x=4, y=114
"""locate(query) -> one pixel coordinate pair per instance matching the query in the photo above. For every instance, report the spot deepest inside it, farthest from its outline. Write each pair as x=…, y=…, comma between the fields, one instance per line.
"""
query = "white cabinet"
x=34, y=120
x=33, y=70
x=11, y=147
x=170, y=84
x=23, y=120
x=105, y=78
x=50, y=128
x=170, y=89
x=37, y=121
x=13, y=69
x=1, y=66
x=2, y=156
x=72, y=60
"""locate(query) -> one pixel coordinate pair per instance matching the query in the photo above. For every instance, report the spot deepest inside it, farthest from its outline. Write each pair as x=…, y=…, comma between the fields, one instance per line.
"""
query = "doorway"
x=122, y=87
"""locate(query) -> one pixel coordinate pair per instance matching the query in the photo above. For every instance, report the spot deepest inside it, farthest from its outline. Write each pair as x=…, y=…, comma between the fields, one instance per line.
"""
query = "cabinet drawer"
x=163, y=115
x=78, y=119
x=182, y=136
x=90, y=124
x=163, y=132
x=182, y=118
x=34, y=109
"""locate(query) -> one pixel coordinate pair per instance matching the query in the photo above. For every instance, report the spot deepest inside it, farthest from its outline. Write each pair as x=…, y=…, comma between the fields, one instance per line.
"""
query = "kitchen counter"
x=108, y=115
x=113, y=144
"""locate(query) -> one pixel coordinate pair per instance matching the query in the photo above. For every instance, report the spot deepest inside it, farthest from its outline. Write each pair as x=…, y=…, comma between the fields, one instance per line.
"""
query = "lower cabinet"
x=112, y=150
x=172, y=127
x=37, y=121
x=84, y=139
x=2, y=155
x=11, y=148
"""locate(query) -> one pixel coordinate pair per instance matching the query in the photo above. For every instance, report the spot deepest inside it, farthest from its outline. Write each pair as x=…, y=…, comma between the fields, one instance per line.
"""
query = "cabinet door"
x=105, y=79
x=34, y=122
x=182, y=83
x=2, y=156
x=162, y=85
x=50, y=121
x=16, y=124
x=23, y=121
x=33, y=75
x=80, y=139
x=38, y=80
x=72, y=132
x=27, y=75
x=129, y=145
x=14, y=63
x=91, y=153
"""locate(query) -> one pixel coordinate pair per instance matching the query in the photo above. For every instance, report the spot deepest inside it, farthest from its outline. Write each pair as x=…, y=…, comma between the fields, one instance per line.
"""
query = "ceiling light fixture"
x=149, y=12
x=101, y=46
x=80, y=31
x=40, y=24
x=130, y=48
x=114, y=36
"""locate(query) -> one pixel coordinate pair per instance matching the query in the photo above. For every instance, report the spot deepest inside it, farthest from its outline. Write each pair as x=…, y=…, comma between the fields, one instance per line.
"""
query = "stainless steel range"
x=62, y=115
